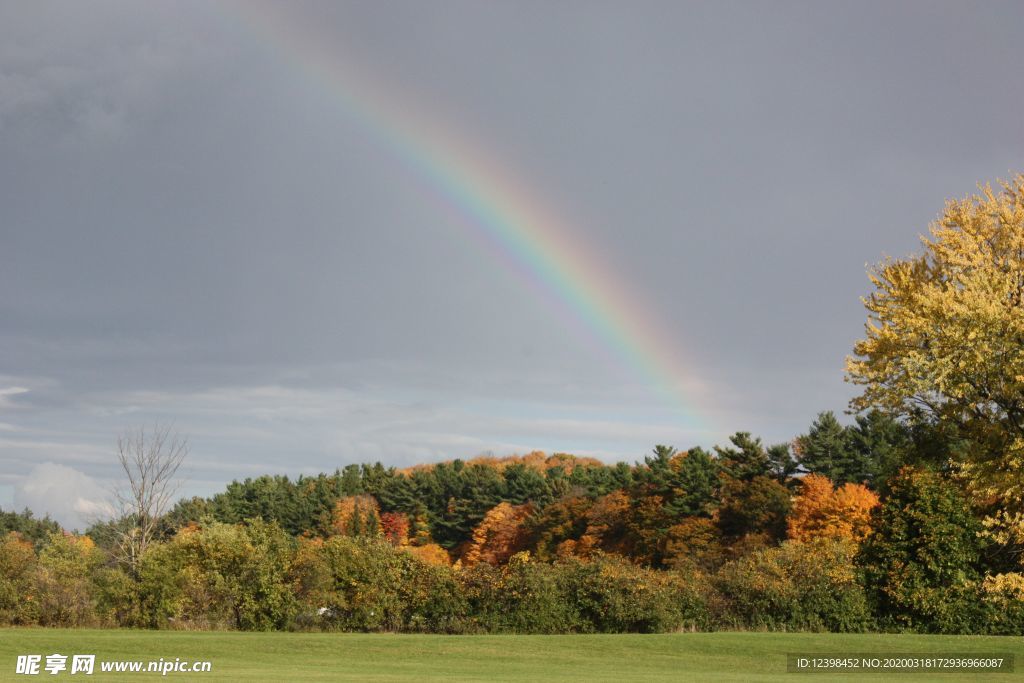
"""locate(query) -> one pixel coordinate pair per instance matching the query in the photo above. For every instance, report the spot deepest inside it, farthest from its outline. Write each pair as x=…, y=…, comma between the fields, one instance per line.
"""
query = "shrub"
x=118, y=602
x=366, y=584
x=63, y=586
x=920, y=564
x=524, y=596
x=18, y=596
x=433, y=599
x=1003, y=595
x=611, y=595
x=797, y=586
x=219, y=576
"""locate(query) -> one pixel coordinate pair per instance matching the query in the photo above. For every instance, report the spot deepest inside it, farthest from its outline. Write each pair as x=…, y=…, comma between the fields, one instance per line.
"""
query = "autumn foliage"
x=395, y=527
x=822, y=511
x=357, y=516
x=943, y=343
x=500, y=535
x=431, y=553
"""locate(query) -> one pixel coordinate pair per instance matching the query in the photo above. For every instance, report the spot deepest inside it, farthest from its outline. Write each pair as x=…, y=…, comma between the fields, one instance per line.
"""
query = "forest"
x=910, y=518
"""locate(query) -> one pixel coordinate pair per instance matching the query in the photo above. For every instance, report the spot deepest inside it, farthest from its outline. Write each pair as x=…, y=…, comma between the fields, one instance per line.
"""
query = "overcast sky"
x=202, y=223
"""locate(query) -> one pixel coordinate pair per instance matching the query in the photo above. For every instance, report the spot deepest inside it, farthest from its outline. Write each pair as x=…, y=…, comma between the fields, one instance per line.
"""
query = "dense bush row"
x=254, y=576
x=257, y=577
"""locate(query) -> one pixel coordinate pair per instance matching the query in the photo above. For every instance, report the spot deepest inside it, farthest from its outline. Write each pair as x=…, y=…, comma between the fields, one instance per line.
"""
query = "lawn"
x=425, y=658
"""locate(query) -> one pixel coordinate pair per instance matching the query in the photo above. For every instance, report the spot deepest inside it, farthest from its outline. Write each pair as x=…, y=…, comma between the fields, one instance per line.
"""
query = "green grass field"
x=362, y=657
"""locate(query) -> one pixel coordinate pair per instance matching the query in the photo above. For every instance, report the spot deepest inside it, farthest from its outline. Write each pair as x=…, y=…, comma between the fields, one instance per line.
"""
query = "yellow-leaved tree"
x=945, y=340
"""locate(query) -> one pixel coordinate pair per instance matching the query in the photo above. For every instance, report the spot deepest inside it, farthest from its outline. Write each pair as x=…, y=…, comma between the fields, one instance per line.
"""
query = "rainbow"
x=506, y=218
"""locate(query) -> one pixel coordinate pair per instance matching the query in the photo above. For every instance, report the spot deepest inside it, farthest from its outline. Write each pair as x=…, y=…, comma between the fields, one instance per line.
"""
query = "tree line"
x=826, y=534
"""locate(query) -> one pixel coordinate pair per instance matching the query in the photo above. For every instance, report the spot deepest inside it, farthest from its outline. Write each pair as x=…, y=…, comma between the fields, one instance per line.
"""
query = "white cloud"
x=69, y=496
x=6, y=393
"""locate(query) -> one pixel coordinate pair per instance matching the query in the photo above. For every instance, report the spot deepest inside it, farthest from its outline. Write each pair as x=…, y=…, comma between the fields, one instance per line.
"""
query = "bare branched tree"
x=150, y=460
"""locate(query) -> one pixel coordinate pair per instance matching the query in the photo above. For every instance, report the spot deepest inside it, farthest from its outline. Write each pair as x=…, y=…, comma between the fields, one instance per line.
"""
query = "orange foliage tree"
x=822, y=511
x=356, y=516
x=607, y=526
x=499, y=535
